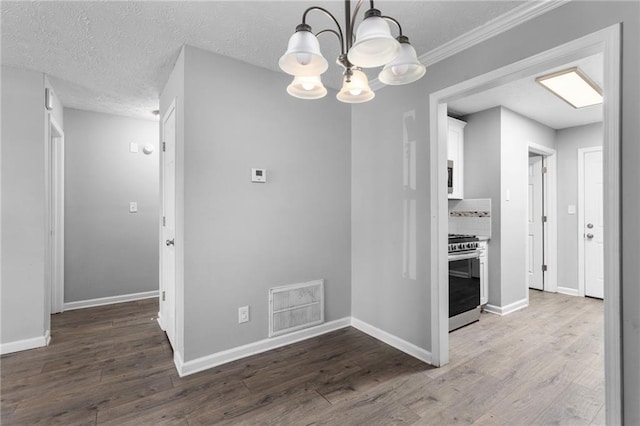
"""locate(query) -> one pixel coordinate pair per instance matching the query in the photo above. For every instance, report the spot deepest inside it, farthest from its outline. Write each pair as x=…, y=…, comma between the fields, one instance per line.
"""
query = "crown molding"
x=502, y=23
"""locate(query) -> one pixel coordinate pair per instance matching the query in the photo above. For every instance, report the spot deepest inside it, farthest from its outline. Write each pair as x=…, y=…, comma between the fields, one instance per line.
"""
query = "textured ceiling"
x=530, y=99
x=115, y=56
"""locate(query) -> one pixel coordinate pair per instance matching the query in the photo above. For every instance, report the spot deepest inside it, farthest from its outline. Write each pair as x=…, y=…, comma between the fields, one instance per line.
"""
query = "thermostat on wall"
x=258, y=175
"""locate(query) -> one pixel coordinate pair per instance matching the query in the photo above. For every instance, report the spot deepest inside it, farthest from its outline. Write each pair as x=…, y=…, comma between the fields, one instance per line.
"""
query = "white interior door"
x=535, y=240
x=168, y=280
x=593, y=225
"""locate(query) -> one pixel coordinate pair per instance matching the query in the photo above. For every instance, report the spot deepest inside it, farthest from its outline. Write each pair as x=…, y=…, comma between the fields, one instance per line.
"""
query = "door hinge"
x=164, y=221
x=544, y=218
x=163, y=296
x=544, y=170
x=164, y=146
x=544, y=269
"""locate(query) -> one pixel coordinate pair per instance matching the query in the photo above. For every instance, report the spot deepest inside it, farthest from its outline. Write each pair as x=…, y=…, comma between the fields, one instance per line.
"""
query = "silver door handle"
x=169, y=243
x=589, y=236
x=589, y=225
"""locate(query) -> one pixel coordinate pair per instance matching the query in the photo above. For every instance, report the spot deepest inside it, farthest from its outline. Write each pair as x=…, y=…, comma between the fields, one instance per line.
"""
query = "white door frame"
x=550, y=192
x=55, y=214
x=581, y=277
x=606, y=41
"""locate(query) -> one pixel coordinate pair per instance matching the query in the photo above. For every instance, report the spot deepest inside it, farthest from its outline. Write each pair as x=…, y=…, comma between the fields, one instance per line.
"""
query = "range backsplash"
x=470, y=216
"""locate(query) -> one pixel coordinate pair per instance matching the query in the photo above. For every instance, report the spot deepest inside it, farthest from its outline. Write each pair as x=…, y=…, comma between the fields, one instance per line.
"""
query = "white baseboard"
x=218, y=358
x=504, y=310
x=569, y=291
x=23, y=345
x=109, y=300
x=391, y=340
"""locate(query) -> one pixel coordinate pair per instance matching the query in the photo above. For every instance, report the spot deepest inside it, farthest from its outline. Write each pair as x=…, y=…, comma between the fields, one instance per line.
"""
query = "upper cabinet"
x=455, y=155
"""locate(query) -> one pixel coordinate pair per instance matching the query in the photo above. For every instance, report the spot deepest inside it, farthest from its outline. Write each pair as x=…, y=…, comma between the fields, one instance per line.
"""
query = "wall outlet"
x=133, y=207
x=243, y=314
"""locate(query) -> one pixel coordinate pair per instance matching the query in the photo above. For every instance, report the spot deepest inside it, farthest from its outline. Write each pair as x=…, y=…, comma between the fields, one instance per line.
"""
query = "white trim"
x=391, y=340
x=496, y=26
x=505, y=310
x=608, y=42
x=568, y=291
x=581, y=153
x=69, y=306
x=26, y=344
x=54, y=185
x=439, y=228
x=612, y=242
x=223, y=357
x=551, y=211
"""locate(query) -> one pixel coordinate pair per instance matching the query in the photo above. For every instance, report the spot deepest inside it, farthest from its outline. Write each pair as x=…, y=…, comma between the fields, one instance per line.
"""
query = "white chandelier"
x=371, y=46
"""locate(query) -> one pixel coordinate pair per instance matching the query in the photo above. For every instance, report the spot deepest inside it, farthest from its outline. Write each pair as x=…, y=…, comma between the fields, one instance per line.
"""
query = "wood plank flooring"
x=112, y=365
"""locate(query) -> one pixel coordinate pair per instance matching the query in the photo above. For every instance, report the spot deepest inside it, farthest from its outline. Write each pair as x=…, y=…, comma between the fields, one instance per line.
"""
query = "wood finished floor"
x=112, y=365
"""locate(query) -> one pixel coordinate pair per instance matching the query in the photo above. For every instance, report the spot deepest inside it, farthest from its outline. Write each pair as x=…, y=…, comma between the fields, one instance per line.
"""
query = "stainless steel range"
x=464, y=280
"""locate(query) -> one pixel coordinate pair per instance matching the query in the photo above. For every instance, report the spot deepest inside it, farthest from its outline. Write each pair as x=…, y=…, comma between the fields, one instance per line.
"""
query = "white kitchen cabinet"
x=455, y=153
x=484, y=272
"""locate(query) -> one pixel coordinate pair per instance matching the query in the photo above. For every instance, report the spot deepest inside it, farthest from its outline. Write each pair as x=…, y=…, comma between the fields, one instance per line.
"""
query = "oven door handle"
x=465, y=255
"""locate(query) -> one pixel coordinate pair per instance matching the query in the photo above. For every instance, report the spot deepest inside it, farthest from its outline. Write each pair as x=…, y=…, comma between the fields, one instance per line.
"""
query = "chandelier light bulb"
x=355, y=91
x=308, y=85
x=303, y=58
x=400, y=69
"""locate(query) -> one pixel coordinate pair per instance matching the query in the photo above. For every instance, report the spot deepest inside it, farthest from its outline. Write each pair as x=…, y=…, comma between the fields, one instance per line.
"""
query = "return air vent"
x=294, y=307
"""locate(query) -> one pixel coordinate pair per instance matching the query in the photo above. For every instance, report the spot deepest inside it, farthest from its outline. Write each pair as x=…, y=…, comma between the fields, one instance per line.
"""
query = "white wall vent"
x=296, y=306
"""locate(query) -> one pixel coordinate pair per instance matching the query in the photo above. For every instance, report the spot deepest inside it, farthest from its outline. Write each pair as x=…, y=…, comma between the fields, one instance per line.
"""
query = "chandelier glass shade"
x=405, y=68
x=372, y=45
x=356, y=90
x=307, y=87
x=303, y=56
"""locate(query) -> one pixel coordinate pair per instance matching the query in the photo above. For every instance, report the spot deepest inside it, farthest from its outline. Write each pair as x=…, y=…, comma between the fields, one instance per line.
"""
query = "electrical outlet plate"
x=243, y=314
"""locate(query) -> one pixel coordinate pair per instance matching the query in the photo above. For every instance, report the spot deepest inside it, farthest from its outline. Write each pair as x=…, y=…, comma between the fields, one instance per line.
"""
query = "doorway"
x=55, y=215
x=535, y=223
x=607, y=42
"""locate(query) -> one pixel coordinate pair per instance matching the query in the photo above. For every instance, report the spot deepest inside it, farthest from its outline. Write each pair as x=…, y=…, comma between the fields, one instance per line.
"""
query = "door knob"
x=169, y=243
x=589, y=225
x=589, y=236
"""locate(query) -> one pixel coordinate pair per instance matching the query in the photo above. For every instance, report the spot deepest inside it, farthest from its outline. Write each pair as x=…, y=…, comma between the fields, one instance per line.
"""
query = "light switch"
x=571, y=209
x=133, y=207
x=258, y=175
x=508, y=195
x=133, y=147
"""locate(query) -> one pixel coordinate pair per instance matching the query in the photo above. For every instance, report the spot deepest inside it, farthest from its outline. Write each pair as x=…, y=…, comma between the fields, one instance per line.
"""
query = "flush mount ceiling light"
x=372, y=45
x=573, y=87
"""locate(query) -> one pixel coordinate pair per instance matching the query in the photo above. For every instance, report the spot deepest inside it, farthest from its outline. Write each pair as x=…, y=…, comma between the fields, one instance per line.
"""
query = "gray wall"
x=109, y=251
x=482, y=180
x=381, y=294
x=496, y=161
x=517, y=132
x=23, y=202
x=242, y=238
x=535, y=36
x=568, y=142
